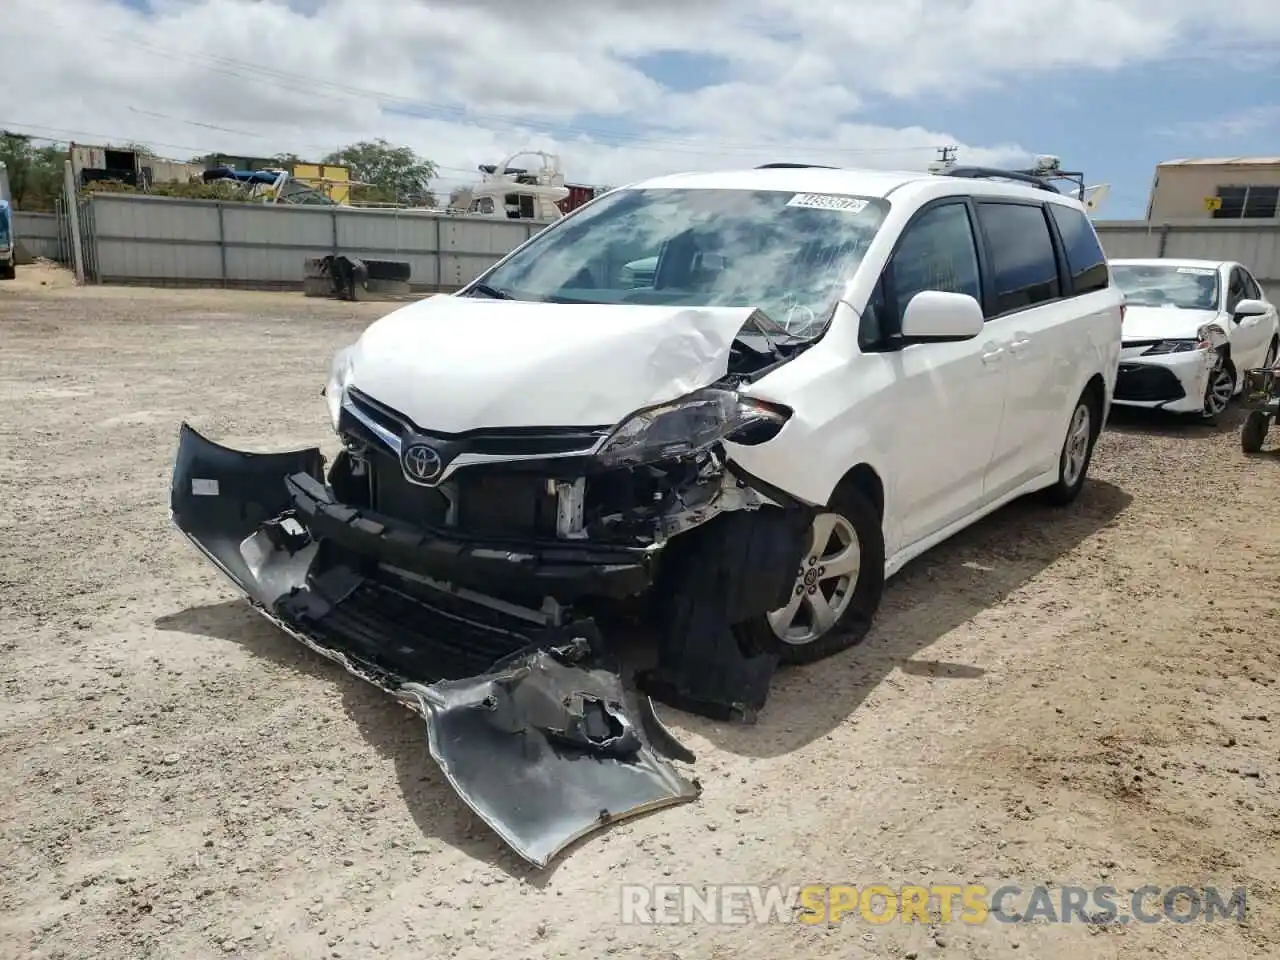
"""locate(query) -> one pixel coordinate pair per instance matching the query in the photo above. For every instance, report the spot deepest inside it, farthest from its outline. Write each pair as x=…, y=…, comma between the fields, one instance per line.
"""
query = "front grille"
x=489, y=441
x=1147, y=383
x=500, y=504
x=395, y=496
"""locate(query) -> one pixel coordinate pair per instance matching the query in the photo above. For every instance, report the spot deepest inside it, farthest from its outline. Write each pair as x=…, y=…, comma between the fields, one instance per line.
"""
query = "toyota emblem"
x=421, y=463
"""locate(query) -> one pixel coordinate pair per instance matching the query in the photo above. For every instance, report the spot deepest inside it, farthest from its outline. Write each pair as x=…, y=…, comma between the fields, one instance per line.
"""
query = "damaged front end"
x=466, y=574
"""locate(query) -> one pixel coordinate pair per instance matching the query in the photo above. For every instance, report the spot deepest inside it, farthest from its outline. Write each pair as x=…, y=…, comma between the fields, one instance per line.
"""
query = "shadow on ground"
x=971, y=572
x=388, y=727
x=1140, y=421
x=974, y=570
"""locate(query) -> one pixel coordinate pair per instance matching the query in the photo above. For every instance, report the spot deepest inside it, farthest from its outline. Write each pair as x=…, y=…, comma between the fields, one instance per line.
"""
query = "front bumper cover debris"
x=529, y=721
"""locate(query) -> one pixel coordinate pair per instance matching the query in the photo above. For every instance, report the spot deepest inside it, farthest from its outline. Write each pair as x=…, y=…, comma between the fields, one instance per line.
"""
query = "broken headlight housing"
x=339, y=378
x=1171, y=346
x=1209, y=337
x=683, y=427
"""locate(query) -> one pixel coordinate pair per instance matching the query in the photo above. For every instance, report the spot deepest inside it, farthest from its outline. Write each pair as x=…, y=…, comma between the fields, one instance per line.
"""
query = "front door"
x=1250, y=336
x=943, y=402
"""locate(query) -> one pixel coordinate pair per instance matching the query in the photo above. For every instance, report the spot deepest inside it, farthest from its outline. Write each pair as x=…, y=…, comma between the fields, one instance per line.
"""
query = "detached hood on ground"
x=1163, y=323
x=456, y=363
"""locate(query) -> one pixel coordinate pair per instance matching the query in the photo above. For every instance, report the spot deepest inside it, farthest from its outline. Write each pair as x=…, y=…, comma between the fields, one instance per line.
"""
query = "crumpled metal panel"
x=548, y=748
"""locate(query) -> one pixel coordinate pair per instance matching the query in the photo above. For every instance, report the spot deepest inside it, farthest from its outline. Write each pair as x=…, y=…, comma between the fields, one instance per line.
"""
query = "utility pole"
x=73, y=217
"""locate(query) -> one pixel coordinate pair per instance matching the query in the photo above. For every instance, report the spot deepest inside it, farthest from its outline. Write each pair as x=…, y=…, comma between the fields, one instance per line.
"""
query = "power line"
x=230, y=66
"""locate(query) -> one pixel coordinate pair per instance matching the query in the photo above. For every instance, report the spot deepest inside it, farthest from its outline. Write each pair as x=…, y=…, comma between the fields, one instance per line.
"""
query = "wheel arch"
x=1096, y=388
x=866, y=480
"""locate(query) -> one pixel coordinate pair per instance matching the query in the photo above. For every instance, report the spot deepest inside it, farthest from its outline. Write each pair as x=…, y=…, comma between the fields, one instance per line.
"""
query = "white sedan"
x=1191, y=328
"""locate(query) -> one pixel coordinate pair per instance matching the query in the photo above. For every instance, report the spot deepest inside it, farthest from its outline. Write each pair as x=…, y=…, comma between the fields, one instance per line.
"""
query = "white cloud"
x=468, y=81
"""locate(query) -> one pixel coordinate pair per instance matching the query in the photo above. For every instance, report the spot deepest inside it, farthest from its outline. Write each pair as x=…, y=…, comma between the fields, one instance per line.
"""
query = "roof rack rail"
x=795, y=166
x=993, y=173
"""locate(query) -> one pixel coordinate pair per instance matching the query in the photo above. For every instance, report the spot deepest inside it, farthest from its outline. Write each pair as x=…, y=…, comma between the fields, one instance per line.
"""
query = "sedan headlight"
x=339, y=378
x=1171, y=346
x=692, y=423
x=1208, y=337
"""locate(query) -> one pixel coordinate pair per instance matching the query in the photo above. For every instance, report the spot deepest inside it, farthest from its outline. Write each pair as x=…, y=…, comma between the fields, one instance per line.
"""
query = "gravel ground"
x=1080, y=697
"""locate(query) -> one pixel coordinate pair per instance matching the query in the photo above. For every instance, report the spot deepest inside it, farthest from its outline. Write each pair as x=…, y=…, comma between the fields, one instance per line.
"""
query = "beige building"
x=1233, y=188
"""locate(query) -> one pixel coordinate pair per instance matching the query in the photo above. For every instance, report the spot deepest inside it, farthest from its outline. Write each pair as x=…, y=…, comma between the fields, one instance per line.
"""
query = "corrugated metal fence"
x=1256, y=245
x=38, y=236
x=158, y=240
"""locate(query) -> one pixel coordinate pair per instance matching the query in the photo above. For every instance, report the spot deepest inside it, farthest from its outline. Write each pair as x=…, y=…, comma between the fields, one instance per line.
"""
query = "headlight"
x=685, y=426
x=339, y=377
x=1172, y=346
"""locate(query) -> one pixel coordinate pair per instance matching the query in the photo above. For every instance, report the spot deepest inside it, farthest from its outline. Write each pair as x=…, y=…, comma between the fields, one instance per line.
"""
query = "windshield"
x=1168, y=285
x=4, y=226
x=785, y=253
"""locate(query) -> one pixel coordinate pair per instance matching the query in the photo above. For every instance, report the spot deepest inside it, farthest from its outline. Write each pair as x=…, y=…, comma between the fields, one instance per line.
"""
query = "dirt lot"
x=1076, y=698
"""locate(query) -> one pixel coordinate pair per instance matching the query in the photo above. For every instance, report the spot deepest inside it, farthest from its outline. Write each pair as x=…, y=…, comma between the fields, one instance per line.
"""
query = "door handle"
x=991, y=356
x=1018, y=346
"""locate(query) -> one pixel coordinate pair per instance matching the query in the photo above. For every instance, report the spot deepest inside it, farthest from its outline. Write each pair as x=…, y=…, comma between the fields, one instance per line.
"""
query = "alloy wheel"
x=1076, y=450
x=1218, y=393
x=825, y=584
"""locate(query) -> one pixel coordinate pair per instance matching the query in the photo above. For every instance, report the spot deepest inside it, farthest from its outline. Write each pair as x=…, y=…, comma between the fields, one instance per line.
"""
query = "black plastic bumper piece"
x=1147, y=383
x=732, y=569
x=564, y=570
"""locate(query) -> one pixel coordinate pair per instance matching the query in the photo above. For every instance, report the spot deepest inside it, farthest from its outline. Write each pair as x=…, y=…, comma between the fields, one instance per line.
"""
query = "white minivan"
x=753, y=395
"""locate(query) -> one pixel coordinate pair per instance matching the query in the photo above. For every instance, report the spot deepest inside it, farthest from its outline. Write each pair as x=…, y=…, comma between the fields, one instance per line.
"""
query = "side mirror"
x=1249, y=308
x=936, y=316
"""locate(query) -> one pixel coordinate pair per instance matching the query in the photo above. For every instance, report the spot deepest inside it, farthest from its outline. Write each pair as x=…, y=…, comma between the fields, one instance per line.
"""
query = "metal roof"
x=1223, y=162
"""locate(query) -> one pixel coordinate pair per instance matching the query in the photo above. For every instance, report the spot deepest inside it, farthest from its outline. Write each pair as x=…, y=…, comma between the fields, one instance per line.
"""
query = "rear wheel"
x=1254, y=432
x=837, y=588
x=8, y=271
x=1077, y=451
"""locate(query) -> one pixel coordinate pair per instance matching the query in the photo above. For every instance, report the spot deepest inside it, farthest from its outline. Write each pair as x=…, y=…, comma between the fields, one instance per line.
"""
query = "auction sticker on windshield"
x=827, y=201
x=1198, y=271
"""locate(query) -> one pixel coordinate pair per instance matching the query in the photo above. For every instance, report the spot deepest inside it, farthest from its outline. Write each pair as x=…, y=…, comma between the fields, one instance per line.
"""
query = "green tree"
x=35, y=173
x=389, y=174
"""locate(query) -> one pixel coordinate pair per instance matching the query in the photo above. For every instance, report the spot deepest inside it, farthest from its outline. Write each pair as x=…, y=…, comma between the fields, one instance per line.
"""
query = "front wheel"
x=1254, y=432
x=1077, y=452
x=837, y=588
x=1219, y=390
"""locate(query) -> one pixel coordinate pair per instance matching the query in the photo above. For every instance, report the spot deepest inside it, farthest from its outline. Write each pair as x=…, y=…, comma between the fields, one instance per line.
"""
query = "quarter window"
x=1235, y=289
x=1086, y=262
x=1022, y=255
x=1251, y=289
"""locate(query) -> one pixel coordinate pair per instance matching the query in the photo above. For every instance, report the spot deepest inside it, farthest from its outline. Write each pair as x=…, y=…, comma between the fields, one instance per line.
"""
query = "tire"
x=856, y=592
x=8, y=272
x=1254, y=432
x=1218, y=391
x=1077, y=451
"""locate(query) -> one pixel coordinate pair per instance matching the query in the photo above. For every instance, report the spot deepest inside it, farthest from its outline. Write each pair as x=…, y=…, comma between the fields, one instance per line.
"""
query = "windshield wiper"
x=492, y=292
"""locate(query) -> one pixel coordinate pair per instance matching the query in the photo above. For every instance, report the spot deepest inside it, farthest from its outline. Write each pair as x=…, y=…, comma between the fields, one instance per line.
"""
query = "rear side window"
x=1022, y=255
x=1086, y=262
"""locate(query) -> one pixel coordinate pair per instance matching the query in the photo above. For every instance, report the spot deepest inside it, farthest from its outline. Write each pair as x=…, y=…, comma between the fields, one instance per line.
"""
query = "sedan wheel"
x=825, y=584
x=1217, y=395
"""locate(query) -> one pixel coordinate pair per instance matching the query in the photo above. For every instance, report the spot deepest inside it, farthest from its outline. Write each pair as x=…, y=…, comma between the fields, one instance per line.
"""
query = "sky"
x=625, y=90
